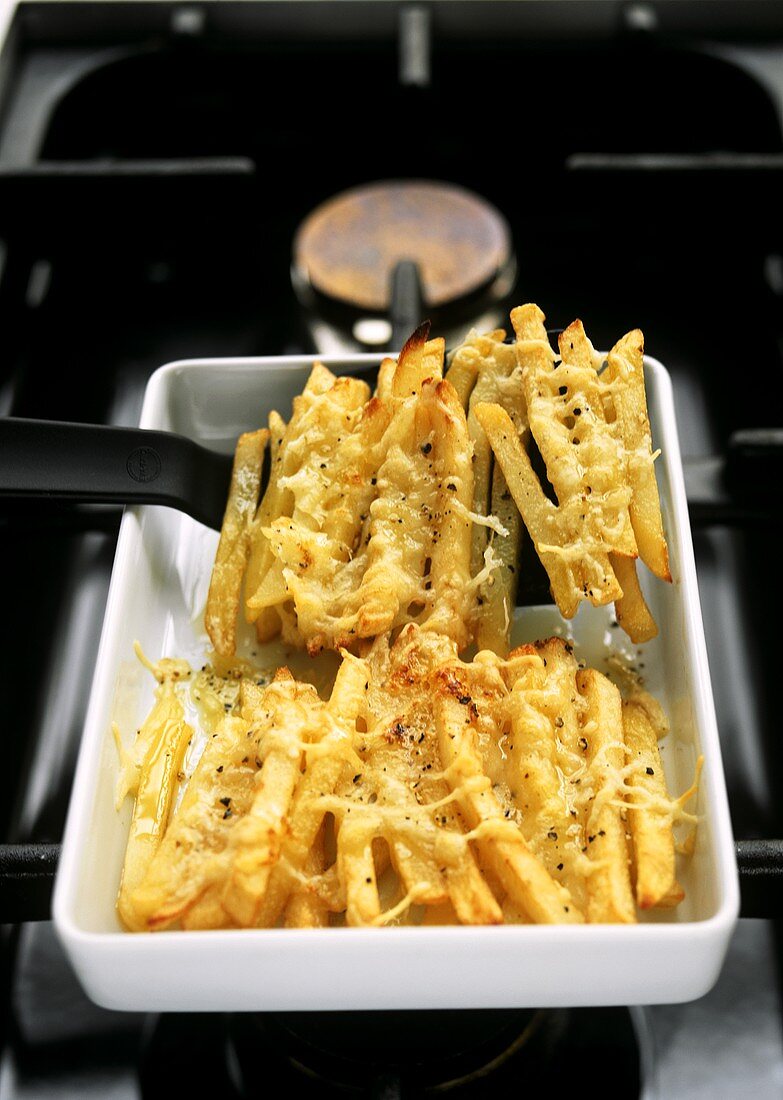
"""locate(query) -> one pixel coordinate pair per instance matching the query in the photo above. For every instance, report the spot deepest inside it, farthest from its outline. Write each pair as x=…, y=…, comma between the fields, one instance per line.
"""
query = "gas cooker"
x=153, y=173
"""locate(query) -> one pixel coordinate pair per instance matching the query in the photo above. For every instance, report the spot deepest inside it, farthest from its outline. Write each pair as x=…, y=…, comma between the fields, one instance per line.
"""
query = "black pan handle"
x=48, y=459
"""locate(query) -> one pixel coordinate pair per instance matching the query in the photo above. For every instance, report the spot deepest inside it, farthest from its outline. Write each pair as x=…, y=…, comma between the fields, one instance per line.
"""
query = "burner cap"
x=349, y=246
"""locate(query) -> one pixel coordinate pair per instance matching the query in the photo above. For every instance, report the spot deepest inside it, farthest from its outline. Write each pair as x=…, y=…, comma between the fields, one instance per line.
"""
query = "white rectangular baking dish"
x=157, y=596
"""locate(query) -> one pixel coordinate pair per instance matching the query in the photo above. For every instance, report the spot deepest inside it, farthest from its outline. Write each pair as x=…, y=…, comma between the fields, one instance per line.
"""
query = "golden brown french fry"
x=267, y=618
x=462, y=375
x=356, y=868
x=154, y=799
x=542, y=756
x=499, y=594
x=333, y=726
x=305, y=909
x=449, y=578
x=482, y=471
x=399, y=540
x=206, y=912
x=273, y=589
x=399, y=687
x=538, y=513
x=283, y=722
x=599, y=451
x=440, y=915
x=277, y=501
x=471, y=898
x=495, y=363
x=218, y=794
x=466, y=360
x=574, y=443
x=324, y=401
x=626, y=368
x=609, y=885
x=167, y=708
x=225, y=587
x=383, y=389
x=672, y=899
x=319, y=550
x=523, y=875
x=410, y=853
x=419, y=359
x=320, y=381
x=632, y=612
x=650, y=825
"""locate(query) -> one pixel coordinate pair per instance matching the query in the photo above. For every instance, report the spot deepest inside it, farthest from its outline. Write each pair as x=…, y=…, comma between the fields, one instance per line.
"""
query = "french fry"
x=267, y=619
x=471, y=898
x=419, y=359
x=225, y=587
x=626, y=372
x=166, y=709
x=462, y=374
x=399, y=681
x=356, y=868
x=632, y=612
x=565, y=414
x=609, y=885
x=192, y=855
x=599, y=452
x=206, y=912
x=413, y=862
x=319, y=382
x=383, y=389
x=544, y=754
x=449, y=578
x=524, y=876
x=154, y=800
x=399, y=540
x=336, y=725
x=318, y=550
x=305, y=909
x=650, y=824
x=480, y=371
x=538, y=513
x=499, y=595
x=282, y=719
x=323, y=404
x=498, y=380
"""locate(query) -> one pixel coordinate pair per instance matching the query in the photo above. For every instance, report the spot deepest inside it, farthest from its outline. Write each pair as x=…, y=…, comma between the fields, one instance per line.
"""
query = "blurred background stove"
x=160, y=166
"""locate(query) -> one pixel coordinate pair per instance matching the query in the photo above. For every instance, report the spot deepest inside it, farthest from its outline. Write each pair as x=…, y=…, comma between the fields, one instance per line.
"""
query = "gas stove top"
x=156, y=161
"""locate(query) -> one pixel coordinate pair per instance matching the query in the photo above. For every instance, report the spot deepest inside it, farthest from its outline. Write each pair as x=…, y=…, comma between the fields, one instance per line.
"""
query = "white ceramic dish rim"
x=352, y=943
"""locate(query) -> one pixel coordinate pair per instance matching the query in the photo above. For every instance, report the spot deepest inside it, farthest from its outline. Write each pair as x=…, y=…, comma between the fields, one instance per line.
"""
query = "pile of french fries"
x=425, y=790
x=518, y=786
x=589, y=422
x=365, y=523
x=409, y=506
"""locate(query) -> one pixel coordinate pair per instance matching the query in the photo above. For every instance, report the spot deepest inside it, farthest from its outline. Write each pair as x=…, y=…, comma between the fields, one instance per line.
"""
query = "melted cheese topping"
x=376, y=514
x=511, y=776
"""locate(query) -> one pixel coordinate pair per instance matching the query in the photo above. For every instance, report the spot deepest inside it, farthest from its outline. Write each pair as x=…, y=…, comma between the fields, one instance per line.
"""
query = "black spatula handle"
x=105, y=465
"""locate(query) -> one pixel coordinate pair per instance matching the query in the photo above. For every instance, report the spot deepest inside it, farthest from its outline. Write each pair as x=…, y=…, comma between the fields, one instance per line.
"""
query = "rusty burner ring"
x=347, y=249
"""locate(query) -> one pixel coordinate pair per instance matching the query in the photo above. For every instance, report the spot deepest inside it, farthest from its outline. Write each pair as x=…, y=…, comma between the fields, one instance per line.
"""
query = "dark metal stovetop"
x=153, y=170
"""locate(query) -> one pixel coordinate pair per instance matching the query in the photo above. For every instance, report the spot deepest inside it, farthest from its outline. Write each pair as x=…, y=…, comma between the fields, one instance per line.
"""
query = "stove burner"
x=347, y=251
x=349, y=246
x=394, y=1054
